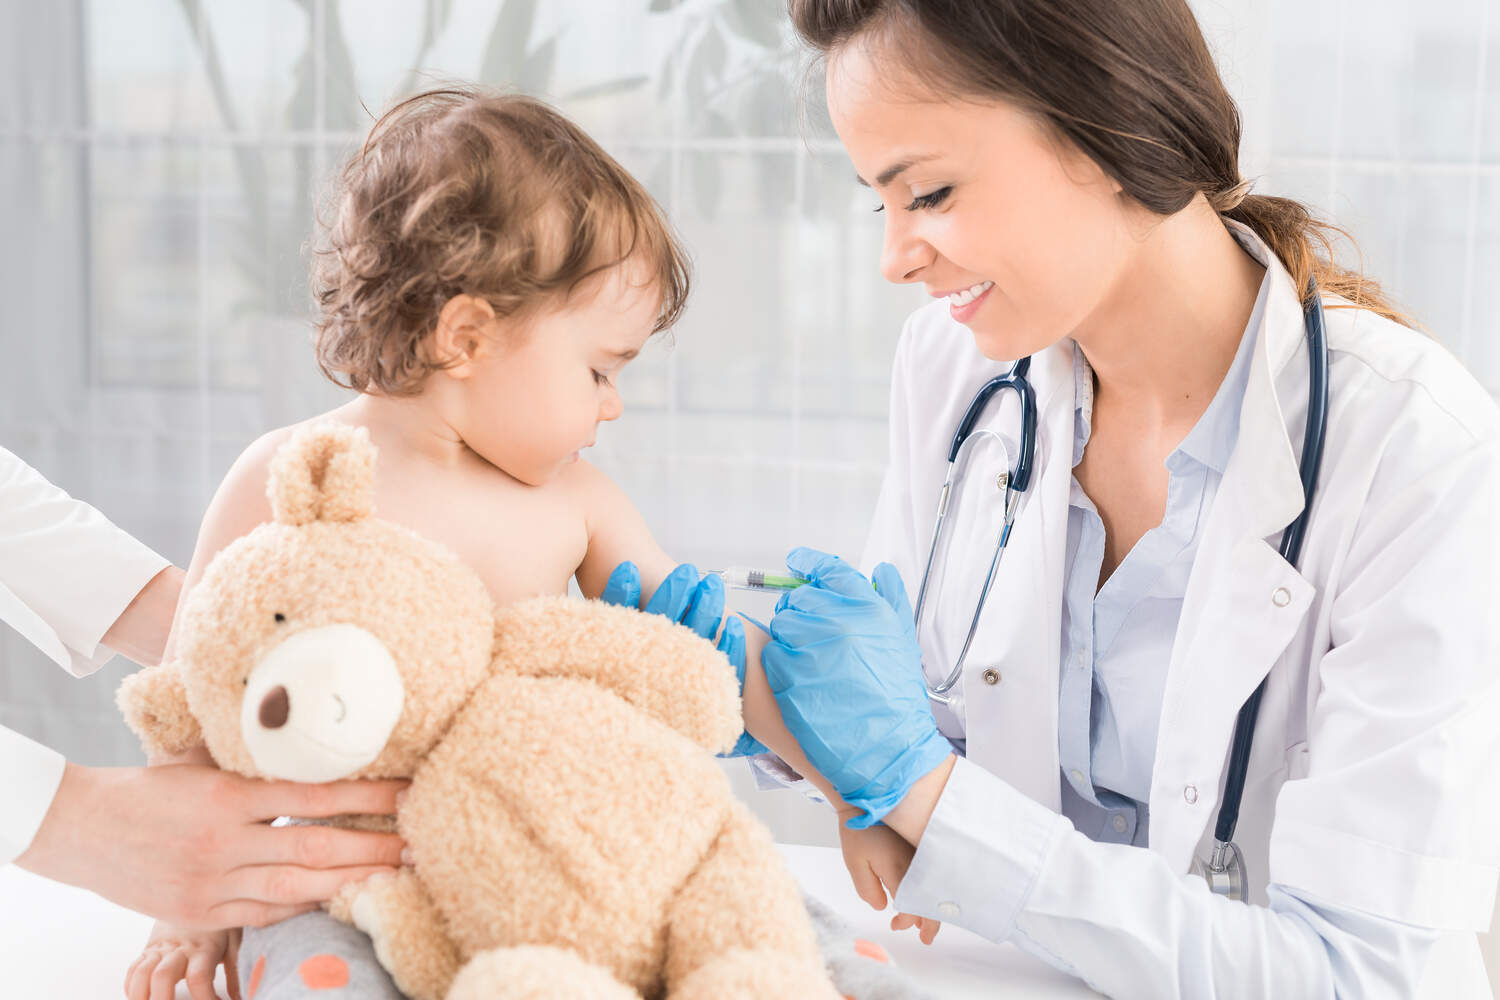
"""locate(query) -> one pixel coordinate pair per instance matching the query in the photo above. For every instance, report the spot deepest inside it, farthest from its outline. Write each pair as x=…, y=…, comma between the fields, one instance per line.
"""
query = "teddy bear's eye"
x=280, y=618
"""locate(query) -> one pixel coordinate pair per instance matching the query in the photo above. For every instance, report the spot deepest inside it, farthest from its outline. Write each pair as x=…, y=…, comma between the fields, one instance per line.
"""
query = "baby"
x=488, y=273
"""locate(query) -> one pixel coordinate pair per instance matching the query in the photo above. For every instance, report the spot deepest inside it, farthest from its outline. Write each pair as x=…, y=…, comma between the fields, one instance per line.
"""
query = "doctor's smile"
x=965, y=302
x=1123, y=554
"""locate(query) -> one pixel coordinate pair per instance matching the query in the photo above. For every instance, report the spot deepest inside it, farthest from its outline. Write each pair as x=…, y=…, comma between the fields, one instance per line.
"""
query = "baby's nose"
x=275, y=707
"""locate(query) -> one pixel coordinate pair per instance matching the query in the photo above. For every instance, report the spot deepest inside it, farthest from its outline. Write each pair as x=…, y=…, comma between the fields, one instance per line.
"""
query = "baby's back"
x=523, y=541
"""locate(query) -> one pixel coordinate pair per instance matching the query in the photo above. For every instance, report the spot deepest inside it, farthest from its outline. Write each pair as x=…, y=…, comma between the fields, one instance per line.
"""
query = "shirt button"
x=1190, y=793
x=992, y=676
x=1281, y=597
x=1119, y=823
x=948, y=909
x=1076, y=775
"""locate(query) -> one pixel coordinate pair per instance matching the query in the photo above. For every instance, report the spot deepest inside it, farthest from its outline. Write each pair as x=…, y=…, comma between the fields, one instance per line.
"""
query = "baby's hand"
x=877, y=858
x=173, y=954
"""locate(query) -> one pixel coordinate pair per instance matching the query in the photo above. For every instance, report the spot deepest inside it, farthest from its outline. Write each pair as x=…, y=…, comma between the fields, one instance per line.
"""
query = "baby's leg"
x=311, y=955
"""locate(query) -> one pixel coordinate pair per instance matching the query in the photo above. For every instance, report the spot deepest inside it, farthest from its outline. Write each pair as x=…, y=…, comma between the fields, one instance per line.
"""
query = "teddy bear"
x=571, y=833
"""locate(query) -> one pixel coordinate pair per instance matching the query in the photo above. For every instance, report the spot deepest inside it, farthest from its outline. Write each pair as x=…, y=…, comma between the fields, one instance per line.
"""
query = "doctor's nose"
x=903, y=257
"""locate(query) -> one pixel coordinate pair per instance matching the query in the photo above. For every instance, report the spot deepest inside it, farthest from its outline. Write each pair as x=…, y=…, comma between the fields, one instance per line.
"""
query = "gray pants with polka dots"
x=311, y=955
x=314, y=955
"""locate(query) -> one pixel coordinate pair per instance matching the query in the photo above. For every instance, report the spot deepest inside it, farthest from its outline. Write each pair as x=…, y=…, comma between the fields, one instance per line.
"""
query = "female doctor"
x=1061, y=175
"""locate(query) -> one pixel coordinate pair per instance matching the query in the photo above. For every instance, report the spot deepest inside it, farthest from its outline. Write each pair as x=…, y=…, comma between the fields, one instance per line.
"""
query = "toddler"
x=488, y=273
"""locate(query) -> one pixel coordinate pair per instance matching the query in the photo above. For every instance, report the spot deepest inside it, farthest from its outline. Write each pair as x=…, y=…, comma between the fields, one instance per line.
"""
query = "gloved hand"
x=696, y=603
x=846, y=670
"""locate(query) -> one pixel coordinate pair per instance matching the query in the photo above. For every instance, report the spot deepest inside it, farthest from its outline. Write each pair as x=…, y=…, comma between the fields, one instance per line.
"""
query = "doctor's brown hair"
x=459, y=191
x=1131, y=83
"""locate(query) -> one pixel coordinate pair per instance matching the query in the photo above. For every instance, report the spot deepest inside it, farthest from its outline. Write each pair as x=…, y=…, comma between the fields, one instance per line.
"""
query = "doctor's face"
x=1021, y=232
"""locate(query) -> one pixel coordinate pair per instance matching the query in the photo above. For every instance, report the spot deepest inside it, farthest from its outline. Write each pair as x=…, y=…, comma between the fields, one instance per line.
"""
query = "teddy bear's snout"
x=321, y=704
x=275, y=707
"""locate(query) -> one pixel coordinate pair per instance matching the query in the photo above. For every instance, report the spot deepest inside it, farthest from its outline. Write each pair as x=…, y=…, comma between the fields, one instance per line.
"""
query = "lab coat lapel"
x=1244, y=603
x=1012, y=724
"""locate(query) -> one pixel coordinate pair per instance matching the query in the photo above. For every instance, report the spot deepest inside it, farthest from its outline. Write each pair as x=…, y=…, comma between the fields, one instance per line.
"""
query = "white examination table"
x=63, y=943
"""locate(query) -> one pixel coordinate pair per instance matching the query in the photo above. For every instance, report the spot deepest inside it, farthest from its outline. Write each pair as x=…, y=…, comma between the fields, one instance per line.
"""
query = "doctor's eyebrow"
x=893, y=171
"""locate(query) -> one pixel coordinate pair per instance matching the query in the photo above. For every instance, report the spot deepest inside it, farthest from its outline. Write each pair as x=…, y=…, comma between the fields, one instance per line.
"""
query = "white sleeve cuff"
x=980, y=854
x=29, y=776
x=66, y=571
x=108, y=593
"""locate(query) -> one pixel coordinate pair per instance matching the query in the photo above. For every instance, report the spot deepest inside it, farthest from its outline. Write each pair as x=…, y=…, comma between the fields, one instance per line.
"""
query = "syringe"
x=763, y=580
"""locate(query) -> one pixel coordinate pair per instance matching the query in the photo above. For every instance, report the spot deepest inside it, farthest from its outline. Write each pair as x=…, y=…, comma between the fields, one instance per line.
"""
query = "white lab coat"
x=1371, y=784
x=66, y=574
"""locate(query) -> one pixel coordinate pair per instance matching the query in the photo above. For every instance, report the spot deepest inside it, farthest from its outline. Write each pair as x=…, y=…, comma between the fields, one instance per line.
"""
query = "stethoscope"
x=1225, y=868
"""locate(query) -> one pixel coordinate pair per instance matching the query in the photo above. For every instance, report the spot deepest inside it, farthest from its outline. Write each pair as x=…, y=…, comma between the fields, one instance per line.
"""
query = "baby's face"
x=537, y=399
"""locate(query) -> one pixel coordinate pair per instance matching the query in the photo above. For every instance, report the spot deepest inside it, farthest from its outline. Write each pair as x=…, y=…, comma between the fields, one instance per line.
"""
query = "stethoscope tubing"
x=1314, y=435
x=1019, y=480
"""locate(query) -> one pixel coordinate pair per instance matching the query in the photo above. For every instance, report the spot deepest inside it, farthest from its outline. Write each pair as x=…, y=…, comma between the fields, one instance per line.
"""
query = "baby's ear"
x=154, y=702
x=323, y=472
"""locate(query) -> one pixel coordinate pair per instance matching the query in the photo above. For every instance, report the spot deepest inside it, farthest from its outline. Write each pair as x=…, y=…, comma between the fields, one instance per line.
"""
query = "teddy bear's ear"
x=155, y=705
x=324, y=472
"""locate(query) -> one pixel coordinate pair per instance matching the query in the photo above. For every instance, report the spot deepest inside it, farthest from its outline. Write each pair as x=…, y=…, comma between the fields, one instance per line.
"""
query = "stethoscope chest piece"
x=1224, y=871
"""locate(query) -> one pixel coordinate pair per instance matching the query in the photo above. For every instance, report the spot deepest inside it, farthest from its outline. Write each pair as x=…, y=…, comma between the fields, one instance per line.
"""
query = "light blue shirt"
x=1116, y=643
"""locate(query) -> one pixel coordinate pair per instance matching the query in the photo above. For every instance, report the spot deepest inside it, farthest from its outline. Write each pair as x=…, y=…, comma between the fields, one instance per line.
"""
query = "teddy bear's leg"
x=536, y=972
x=737, y=930
x=406, y=929
x=311, y=955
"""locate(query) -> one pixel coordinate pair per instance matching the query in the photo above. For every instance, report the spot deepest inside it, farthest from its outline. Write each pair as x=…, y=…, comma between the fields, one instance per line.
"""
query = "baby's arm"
x=877, y=857
x=617, y=533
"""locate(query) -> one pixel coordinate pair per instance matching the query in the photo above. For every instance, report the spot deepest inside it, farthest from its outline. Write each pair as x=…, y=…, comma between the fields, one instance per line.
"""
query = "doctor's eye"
x=931, y=200
x=280, y=618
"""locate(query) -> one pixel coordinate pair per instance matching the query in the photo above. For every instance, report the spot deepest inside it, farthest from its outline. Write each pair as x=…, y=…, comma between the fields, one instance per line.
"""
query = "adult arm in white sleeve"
x=996, y=862
x=68, y=575
x=29, y=776
x=1388, y=841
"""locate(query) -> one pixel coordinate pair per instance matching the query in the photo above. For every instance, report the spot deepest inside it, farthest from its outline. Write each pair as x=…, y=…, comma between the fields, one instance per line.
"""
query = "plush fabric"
x=572, y=834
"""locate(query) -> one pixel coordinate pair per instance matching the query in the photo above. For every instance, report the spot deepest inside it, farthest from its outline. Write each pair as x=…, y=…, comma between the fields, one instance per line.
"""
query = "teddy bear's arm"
x=658, y=666
x=155, y=706
x=738, y=922
x=406, y=929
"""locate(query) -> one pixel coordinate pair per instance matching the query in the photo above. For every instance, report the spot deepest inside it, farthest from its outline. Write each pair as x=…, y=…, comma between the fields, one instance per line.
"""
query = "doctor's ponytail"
x=1129, y=82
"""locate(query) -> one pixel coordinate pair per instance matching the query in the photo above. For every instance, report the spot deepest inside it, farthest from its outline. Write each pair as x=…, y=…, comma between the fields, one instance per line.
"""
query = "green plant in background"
x=734, y=71
x=270, y=235
x=740, y=71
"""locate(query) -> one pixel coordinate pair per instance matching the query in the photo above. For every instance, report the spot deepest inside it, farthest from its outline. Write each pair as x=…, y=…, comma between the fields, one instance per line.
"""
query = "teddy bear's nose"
x=275, y=707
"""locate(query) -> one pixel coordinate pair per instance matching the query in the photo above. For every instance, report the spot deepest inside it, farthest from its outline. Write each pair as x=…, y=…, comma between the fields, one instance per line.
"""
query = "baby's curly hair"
x=458, y=191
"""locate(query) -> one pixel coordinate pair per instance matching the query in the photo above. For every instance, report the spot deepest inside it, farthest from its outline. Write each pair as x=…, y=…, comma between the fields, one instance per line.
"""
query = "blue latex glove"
x=846, y=670
x=697, y=603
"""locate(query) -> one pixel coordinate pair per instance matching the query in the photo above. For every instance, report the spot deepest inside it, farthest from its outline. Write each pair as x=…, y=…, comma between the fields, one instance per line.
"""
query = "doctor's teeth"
x=968, y=295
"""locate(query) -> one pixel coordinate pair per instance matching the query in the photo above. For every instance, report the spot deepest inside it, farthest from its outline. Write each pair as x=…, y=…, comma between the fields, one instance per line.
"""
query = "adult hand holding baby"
x=192, y=845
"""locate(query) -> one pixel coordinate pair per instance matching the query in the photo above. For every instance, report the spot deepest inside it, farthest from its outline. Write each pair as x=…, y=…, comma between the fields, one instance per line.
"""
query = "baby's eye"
x=600, y=378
